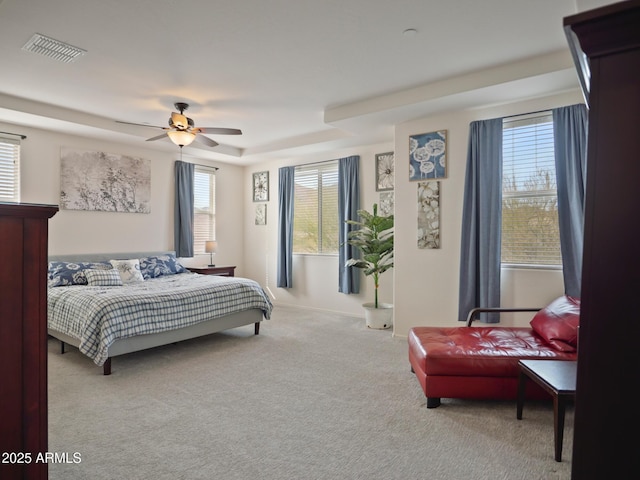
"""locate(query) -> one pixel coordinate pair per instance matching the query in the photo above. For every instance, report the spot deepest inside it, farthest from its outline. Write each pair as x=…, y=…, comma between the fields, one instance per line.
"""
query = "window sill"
x=515, y=266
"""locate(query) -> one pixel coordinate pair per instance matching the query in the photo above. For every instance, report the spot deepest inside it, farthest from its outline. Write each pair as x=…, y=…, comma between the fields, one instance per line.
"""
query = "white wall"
x=72, y=231
x=425, y=282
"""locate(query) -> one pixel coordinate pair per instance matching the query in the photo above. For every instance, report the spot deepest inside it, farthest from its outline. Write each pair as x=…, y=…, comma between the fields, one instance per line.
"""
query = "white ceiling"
x=295, y=76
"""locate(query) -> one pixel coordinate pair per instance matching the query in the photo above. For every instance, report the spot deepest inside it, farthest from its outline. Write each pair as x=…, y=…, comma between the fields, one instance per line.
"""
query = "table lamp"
x=210, y=247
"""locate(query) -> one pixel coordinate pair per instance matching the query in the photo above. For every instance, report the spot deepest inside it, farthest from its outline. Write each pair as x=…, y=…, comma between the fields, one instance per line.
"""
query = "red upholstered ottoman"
x=482, y=362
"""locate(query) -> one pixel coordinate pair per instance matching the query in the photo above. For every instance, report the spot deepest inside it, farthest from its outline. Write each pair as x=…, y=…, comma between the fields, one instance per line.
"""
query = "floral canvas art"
x=428, y=155
x=105, y=182
x=261, y=214
x=386, y=203
x=385, y=171
x=429, y=214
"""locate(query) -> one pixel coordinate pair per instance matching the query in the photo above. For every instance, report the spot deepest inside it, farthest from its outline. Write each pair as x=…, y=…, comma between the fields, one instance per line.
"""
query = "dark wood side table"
x=226, y=271
x=558, y=377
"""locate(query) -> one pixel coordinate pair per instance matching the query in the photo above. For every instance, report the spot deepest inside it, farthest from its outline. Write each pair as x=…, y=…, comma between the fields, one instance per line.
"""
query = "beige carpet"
x=314, y=396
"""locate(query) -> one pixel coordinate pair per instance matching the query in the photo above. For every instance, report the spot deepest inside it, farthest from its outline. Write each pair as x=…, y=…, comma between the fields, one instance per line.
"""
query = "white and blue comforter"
x=98, y=316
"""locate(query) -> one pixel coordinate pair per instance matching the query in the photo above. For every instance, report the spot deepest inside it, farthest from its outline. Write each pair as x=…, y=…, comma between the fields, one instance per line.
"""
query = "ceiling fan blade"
x=206, y=140
x=138, y=124
x=164, y=135
x=220, y=131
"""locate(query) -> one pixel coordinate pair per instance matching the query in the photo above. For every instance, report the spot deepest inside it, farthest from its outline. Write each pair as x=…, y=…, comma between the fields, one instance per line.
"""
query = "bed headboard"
x=104, y=257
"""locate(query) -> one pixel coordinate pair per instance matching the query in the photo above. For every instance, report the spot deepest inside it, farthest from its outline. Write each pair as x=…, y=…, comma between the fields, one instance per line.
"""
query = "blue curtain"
x=286, y=183
x=481, y=221
x=183, y=210
x=348, y=206
x=570, y=125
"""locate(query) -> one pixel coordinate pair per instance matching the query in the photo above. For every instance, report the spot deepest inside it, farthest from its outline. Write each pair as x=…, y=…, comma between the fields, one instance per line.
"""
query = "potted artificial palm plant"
x=374, y=240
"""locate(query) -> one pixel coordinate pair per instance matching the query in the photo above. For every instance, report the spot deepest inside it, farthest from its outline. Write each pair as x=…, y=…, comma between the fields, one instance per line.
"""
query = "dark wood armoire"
x=606, y=421
x=23, y=339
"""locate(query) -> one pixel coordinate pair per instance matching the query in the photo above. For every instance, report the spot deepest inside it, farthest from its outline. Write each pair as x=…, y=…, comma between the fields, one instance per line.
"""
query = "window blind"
x=315, y=222
x=204, y=198
x=530, y=232
x=9, y=169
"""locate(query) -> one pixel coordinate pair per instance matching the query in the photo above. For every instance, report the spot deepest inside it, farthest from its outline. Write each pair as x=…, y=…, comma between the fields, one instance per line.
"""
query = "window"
x=204, y=197
x=530, y=231
x=315, y=217
x=9, y=170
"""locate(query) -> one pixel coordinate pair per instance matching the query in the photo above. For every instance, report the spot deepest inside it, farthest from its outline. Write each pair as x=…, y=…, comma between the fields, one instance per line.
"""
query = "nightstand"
x=221, y=271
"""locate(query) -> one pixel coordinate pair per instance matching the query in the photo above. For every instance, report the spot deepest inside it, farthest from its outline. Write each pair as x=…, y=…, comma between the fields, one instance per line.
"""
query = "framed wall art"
x=261, y=187
x=261, y=214
x=429, y=214
x=385, y=171
x=386, y=203
x=106, y=182
x=428, y=156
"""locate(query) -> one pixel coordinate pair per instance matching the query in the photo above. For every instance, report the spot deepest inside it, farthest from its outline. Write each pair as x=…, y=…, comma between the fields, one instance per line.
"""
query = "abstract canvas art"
x=428, y=156
x=107, y=182
x=429, y=214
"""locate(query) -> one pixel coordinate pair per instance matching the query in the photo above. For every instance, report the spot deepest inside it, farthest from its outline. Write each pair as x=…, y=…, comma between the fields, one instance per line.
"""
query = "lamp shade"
x=210, y=246
x=181, y=138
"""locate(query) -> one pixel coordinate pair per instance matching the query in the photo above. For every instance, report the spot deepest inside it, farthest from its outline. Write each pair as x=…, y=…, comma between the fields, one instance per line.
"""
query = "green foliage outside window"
x=530, y=230
x=315, y=222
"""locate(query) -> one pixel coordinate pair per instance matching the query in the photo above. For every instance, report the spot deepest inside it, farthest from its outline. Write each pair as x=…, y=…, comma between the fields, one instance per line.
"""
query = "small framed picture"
x=261, y=214
x=385, y=171
x=386, y=203
x=261, y=187
x=428, y=156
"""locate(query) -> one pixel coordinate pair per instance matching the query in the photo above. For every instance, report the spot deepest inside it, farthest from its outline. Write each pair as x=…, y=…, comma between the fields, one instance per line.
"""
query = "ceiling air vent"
x=52, y=48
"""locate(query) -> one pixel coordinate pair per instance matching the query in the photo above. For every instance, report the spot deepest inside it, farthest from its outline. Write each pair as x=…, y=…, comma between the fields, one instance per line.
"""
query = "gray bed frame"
x=142, y=342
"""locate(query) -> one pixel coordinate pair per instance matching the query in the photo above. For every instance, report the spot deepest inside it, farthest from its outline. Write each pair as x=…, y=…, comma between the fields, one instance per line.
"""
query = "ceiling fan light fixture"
x=179, y=121
x=181, y=138
x=182, y=130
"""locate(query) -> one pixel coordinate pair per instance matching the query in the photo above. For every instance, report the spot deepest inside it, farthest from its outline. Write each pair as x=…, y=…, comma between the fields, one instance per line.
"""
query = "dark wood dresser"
x=606, y=421
x=23, y=339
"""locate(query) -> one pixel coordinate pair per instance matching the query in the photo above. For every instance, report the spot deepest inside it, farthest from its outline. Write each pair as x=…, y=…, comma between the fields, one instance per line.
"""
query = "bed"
x=94, y=304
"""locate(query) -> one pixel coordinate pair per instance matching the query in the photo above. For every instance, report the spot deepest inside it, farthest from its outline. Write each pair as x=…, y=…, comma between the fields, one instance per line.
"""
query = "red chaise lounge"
x=482, y=362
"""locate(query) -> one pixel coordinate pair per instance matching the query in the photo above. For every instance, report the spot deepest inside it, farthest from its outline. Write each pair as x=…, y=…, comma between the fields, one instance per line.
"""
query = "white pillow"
x=103, y=278
x=129, y=270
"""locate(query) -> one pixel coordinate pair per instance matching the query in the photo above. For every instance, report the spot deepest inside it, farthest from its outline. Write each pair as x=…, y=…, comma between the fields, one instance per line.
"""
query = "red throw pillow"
x=557, y=323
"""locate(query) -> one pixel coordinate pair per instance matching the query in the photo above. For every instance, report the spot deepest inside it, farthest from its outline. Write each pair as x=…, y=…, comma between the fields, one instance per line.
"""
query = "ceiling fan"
x=182, y=130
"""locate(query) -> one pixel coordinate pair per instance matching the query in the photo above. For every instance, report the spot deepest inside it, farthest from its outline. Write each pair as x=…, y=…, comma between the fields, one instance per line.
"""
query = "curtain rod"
x=205, y=166
x=15, y=134
x=321, y=161
x=529, y=113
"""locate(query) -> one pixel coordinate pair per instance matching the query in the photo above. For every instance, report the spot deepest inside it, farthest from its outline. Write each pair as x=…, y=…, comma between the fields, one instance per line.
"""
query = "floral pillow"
x=156, y=266
x=129, y=270
x=61, y=274
x=103, y=278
